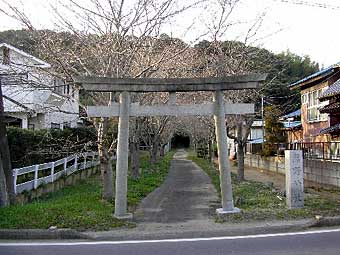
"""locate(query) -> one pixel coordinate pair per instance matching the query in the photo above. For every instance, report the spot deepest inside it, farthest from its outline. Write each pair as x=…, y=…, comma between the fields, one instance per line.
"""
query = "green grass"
x=152, y=177
x=260, y=202
x=80, y=206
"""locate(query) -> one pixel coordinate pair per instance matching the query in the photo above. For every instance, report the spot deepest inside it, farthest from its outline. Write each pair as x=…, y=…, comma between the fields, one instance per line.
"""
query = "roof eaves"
x=18, y=103
x=292, y=114
x=330, y=130
x=315, y=76
x=21, y=52
x=333, y=90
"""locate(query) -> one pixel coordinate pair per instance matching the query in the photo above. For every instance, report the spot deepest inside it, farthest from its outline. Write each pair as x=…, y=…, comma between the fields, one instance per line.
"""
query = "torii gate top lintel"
x=106, y=84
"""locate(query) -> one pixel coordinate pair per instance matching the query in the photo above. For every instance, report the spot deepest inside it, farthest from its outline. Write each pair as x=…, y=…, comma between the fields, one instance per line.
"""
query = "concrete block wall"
x=274, y=164
x=315, y=171
x=322, y=172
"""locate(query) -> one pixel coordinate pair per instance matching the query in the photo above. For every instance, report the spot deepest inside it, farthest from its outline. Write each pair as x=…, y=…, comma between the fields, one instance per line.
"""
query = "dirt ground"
x=278, y=181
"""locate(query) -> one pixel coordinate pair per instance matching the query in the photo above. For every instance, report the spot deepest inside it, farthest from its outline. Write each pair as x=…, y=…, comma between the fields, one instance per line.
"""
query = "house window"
x=66, y=89
x=67, y=125
x=304, y=98
x=313, y=105
x=6, y=59
x=55, y=125
x=57, y=84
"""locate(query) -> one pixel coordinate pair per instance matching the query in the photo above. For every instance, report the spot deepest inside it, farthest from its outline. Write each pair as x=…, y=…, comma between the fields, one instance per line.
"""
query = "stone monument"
x=294, y=178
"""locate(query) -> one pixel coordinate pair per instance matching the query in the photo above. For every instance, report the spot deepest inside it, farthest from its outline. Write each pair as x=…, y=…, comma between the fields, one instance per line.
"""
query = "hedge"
x=28, y=147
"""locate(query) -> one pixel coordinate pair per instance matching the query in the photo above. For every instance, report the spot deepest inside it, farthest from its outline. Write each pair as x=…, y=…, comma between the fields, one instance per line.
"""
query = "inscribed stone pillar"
x=294, y=178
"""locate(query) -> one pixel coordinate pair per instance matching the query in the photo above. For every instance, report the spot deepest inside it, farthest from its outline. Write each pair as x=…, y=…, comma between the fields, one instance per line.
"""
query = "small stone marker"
x=294, y=178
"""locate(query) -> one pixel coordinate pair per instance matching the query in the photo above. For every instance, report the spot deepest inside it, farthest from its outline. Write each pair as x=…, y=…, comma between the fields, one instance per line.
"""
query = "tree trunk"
x=135, y=160
x=5, y=154
x=105, y=161
x=162, y=150
x=4, y=201
x=240, y=154
x=210, y=150
x=153, y=153
x=107, y=178
x=240, y=162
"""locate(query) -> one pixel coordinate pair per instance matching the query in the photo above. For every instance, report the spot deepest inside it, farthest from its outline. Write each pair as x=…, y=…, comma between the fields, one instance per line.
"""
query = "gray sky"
x=302, y=28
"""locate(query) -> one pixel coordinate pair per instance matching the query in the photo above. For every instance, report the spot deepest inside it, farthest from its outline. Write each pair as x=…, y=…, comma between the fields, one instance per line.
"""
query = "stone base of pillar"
x=220, y=211
x=127, y=216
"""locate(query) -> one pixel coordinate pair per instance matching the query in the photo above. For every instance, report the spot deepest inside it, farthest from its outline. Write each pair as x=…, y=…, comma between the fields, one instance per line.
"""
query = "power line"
x=310, y=4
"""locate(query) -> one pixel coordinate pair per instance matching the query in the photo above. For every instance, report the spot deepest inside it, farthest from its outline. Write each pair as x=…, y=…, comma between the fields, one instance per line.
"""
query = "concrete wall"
x=273, y=164
x=324, y=173
x=69, y=180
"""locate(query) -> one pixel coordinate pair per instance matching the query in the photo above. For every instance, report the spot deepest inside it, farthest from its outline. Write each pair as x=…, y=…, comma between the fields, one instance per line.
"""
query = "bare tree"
x=219, y=58
x=243, y=126
x=108, y=38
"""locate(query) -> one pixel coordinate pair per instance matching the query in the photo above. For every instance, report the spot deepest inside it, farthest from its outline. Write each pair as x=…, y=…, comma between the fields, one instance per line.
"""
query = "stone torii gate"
x=124, y=109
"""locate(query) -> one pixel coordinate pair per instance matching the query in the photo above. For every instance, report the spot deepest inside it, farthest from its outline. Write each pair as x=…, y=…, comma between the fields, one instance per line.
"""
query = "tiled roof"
x=333, y=90
x=321, y=73
x=330, y=130
x=9, y=102
x=40, y=62
x=291, y=124
x=332, y=108
x=256, y=141
x=292, y=114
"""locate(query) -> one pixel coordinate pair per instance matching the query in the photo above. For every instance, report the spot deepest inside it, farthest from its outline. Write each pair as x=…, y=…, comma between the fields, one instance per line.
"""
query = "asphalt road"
x=325, y=242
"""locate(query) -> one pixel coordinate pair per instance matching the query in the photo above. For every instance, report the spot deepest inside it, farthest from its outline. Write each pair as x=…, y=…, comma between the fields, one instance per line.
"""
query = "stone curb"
x=228, y=231
x=36, y=234
x=21, y=234
x=325, y=222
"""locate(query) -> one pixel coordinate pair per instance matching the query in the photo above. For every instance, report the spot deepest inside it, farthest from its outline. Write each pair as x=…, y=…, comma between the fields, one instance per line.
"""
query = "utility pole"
x=4, y=152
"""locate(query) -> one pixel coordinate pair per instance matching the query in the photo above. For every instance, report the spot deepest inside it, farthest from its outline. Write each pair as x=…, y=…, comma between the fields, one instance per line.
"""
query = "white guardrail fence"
x=59, y=168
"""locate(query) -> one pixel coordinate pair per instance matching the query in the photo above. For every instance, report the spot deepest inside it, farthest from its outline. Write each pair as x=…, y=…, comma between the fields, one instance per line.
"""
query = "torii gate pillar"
x=223, y=161
x=122, y=158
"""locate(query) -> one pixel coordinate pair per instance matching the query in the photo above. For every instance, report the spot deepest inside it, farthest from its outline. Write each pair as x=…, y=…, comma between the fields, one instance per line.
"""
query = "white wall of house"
x=47, y=101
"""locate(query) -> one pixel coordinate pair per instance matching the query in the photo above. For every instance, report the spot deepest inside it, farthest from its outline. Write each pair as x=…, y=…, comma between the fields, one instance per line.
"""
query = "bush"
x=28, y=147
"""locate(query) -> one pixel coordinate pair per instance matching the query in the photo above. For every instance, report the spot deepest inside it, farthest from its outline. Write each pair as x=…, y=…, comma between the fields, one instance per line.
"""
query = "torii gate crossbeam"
x=125, y=109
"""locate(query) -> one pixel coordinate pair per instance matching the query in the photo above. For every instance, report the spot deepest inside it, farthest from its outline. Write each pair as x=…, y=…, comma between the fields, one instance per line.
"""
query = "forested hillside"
x=283, y=68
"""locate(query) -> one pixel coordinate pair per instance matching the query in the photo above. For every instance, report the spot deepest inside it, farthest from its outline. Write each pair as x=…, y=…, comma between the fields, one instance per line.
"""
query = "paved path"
x=186, y=195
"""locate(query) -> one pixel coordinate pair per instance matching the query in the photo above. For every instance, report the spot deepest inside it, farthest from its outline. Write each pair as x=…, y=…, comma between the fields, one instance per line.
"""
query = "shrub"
x=28, y=147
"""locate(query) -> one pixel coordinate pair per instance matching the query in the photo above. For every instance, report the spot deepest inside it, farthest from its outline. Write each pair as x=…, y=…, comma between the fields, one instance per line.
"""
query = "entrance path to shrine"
x=184, y=207
x=186, y=195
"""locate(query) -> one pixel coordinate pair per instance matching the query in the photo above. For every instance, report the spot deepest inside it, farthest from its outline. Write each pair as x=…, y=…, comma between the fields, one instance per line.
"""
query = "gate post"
x=122, y=157
x=223, y=161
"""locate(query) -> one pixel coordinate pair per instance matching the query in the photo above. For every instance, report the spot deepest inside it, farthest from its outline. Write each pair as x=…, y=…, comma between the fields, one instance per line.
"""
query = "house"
x=332, y=96
x=316, y=93
x=254, y=139
x=292, y=126
x=33, y=97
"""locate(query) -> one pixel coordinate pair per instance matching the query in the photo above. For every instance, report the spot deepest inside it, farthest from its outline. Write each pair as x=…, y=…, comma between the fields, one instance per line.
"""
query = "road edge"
x=43, y=234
